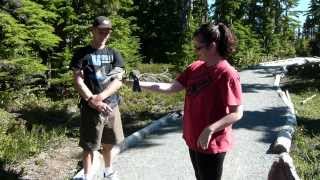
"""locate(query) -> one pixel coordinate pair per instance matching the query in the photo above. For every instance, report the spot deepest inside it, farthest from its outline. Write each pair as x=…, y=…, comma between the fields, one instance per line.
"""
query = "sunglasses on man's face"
x=105, y=30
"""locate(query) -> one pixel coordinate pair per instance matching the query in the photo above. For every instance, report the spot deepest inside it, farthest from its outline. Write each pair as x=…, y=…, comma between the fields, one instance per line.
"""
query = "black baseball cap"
x=102, y=22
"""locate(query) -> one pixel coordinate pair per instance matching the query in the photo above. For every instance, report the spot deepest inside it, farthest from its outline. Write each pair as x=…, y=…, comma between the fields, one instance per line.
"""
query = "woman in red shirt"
x=213, y=100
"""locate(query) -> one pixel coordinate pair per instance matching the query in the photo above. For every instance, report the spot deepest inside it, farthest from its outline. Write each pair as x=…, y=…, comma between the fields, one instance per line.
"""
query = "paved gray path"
x=164, y=156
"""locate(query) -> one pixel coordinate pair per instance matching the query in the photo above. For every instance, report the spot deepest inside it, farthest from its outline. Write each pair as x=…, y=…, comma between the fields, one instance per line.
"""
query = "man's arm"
x=112, y=87
x=87, y=95
x=80, y=86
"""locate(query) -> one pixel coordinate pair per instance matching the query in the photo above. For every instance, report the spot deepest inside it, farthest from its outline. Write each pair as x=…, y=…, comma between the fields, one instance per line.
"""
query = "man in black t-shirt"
x=98, y=72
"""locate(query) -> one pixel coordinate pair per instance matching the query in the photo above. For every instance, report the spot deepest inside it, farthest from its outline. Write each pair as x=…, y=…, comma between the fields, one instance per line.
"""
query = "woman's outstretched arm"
x=166, y=88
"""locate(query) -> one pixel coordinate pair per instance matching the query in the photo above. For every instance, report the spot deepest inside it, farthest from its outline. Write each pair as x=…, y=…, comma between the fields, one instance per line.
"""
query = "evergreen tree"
x=270, y=21
x=200, y=10
x=249, y=51
x=26, y=39
x=314, y=12
x=311, y=27
x=161, y=31
x=227, y=11
x=73, y=26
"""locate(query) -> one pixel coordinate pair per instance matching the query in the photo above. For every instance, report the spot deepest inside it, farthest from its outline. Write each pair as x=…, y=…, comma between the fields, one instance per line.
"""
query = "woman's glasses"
x=198, y=48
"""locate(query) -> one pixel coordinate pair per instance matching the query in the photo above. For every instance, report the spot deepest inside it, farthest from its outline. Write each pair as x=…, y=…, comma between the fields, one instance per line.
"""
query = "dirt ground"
x=59, y=162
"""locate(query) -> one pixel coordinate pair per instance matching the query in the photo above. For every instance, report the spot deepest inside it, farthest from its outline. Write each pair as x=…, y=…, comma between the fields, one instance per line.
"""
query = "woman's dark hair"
x=220, y=34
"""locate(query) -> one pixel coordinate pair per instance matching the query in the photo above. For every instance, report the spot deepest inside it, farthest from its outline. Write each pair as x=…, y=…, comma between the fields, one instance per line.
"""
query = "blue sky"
x=302, y=6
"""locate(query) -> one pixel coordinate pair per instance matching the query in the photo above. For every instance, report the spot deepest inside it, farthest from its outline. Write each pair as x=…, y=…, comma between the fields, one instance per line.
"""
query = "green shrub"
x=19, y=143
x=302, y=47
x=248, y=49
x=6, y=119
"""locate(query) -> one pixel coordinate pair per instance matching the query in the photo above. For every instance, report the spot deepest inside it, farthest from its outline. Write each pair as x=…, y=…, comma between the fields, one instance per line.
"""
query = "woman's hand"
x=204, y=138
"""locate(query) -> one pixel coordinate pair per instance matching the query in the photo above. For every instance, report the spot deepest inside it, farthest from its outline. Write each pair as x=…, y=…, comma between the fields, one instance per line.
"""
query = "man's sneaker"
x=82, y=177
x=110, y=175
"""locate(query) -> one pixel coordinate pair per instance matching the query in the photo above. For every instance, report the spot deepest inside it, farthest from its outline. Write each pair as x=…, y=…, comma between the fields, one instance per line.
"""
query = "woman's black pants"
x=207, y=166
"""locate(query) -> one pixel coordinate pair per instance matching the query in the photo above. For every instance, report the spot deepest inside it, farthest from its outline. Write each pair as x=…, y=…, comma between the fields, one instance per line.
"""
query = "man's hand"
x=96, y=103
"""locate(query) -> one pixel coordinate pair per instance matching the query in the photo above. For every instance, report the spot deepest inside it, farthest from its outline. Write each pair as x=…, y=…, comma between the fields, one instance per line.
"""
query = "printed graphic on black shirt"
x=96, y=69
x=96, y=65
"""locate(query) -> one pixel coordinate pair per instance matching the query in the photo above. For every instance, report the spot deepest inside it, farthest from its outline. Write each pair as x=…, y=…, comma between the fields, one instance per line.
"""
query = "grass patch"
x=306, y=140
x=139, y=109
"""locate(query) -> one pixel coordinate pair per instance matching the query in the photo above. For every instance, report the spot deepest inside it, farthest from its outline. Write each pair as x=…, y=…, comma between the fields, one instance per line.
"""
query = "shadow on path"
x=267, y=120
x=255, y=88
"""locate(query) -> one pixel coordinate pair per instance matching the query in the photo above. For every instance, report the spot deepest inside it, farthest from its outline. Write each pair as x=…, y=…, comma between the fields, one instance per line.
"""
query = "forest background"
x=38, y=37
